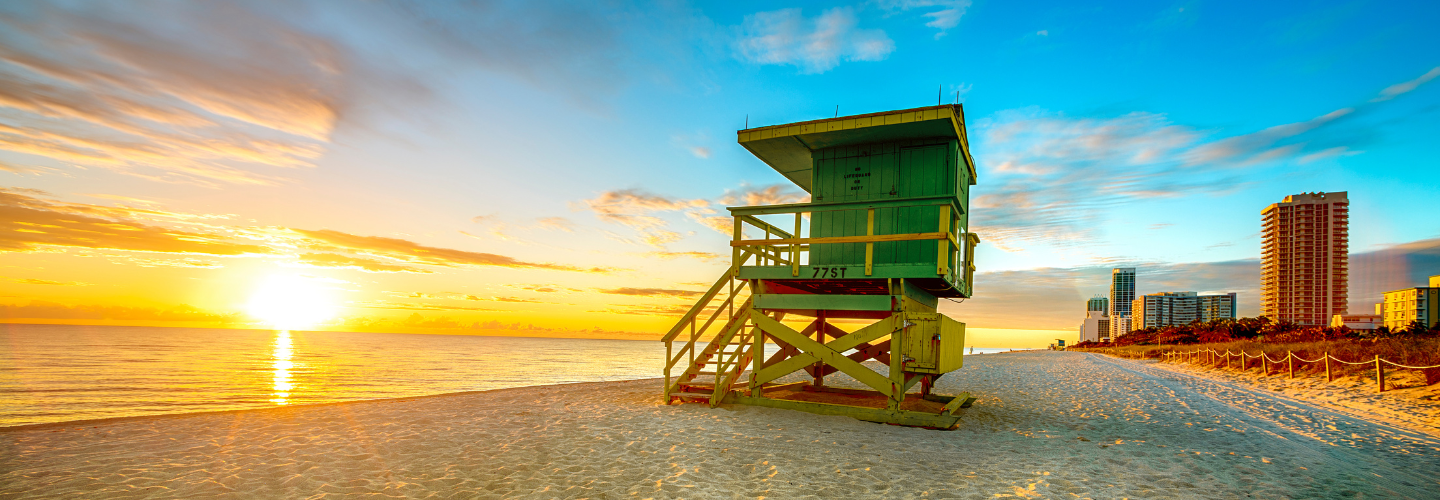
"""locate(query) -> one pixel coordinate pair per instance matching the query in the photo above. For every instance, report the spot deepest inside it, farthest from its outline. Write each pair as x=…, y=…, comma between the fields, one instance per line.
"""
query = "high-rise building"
x=1165, y=309
x=1096, y=327
x=1305, y=257
x=1122, y=294
x=1217, y=306
x=1403, y=306
x=1098, y=304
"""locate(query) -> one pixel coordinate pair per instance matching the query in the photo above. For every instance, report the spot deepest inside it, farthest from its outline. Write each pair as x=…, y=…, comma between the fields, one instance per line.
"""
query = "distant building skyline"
x=1304, y=261
x=1180, y=308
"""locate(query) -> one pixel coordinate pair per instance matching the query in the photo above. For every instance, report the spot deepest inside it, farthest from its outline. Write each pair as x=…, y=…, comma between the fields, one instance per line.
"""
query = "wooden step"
x=692, y=395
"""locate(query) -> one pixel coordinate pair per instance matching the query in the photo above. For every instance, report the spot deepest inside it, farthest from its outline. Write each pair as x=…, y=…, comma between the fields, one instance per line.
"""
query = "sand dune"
x=1047, y=424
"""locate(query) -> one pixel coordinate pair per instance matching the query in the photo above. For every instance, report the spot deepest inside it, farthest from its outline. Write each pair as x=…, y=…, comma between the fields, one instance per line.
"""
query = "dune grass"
x=1411, y=351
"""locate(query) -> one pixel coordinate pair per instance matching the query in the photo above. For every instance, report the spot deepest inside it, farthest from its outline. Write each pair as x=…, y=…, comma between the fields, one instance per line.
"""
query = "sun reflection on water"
x=282, y=368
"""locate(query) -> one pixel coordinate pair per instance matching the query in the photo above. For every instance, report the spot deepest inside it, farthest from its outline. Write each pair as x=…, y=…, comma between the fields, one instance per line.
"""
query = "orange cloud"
x=33, y=281
x=645, y=310
x=706, y=256
x=412, y=252
x=356, y=263
x=651, y=292
x=110, y=88
x=50, y=310
x=28, y=223
x=556, y=223
x=776, y=194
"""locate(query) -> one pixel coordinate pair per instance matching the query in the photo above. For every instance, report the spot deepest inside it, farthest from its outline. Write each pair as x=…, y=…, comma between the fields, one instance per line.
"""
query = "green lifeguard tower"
x=888, y=237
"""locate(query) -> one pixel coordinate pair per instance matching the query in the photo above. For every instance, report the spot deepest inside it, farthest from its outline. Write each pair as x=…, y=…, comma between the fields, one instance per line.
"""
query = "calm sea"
x=56, y=373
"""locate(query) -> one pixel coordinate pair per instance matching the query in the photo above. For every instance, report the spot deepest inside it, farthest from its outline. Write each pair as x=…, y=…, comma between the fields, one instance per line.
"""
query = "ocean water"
x=57, y=373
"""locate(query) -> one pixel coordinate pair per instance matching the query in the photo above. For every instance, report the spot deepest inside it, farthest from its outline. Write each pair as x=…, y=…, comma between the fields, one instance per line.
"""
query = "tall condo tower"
x=1304, y=268
x=1122, y=294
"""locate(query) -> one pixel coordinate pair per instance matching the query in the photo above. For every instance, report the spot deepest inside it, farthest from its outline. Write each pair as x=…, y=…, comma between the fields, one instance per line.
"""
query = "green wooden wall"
x=885, y=171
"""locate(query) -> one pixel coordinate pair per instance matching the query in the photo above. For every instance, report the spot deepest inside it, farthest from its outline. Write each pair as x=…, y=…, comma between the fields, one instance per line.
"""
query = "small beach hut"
x=888, y=238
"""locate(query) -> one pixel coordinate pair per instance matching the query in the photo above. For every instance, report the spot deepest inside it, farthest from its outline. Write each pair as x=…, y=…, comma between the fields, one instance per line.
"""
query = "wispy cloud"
x=1396, y=90
x=556, y=223
x=28, y=223
x=651, y=292
x=942, y=14
x=357, y=263
x=51, y=310
x=645, y=309
x=635, y=209
x=128, y=88
x=775, y=194
x=33, y=281
x=545, y=288
x=705, y=256
x=414, y=253
x=1049, y=177
x=815, y=45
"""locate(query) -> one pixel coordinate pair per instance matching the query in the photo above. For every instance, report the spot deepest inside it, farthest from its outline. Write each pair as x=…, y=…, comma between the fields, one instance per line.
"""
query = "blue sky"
x=601, y=135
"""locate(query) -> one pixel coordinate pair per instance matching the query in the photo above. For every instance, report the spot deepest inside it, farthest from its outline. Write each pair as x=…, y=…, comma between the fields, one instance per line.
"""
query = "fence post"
x=1265, y=363
x=1379, y=375
x=1290, y=360
x=1328, y=378
x=1243, y=361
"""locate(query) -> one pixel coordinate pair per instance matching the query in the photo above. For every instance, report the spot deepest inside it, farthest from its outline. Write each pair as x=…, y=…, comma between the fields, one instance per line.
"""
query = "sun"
x=291, y=302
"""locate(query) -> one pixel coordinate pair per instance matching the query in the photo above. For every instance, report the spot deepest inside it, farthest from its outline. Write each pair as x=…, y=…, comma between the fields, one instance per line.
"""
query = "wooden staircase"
x=721, y=365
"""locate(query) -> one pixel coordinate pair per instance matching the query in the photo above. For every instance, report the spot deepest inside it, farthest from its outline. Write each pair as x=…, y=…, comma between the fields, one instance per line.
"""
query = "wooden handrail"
x=919, y=201
x=755, y=221
x=849, y=239
x=704, y=300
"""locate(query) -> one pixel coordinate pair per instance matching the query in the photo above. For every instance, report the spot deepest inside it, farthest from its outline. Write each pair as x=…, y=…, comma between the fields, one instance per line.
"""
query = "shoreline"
x=106, y=420
x=1046, y=424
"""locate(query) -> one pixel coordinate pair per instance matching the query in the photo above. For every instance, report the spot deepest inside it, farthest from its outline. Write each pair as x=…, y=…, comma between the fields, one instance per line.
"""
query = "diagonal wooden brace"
x=830, y=354
x=863, y=352
x=787, y=350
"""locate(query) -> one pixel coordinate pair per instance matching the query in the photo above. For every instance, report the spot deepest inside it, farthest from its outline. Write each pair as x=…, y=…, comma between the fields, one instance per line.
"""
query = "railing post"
x=1290, y=360
x=1264, y=362
x=1379, y=375
x=942, y=261
x=757, y=360
x=869, y=247
x=795, y=248
x=1328, y=377
x=669, y=353
x=763, y=260
x=735, y=252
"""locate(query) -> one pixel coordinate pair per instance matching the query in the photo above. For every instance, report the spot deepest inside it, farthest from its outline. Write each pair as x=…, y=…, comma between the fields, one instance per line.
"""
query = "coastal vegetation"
x=1415, y=345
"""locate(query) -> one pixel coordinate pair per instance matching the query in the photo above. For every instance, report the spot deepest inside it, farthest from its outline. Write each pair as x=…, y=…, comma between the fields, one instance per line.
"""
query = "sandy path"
x=1047, y=424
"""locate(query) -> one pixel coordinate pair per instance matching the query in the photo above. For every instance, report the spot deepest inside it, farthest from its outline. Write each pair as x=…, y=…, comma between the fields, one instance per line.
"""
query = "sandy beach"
x=1046, y=424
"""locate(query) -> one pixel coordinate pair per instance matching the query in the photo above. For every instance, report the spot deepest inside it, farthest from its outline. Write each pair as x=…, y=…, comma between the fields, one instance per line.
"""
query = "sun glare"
x=291, y=302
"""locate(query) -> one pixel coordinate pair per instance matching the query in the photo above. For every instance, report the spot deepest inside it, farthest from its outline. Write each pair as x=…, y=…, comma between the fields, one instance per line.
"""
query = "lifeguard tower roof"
x=787, y=148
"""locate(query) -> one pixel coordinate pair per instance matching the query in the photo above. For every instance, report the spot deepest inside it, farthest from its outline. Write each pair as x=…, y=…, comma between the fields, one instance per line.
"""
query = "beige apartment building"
x=1305, y=256
x=1421, y=303
x=1181, y=308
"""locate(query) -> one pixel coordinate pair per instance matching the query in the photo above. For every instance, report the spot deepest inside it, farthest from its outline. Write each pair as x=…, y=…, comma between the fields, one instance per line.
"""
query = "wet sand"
x=1046, y=424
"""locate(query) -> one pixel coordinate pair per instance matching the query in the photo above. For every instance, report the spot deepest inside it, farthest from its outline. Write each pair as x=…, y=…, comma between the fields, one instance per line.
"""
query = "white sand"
x=1407, y=402
x=1047, y=424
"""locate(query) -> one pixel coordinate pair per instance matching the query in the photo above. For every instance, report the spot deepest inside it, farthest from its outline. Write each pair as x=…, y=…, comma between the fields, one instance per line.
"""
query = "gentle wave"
x=56, y=373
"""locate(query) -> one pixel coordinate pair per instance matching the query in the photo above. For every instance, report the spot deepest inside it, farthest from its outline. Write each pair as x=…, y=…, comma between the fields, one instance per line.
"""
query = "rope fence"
x=1209, y=357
